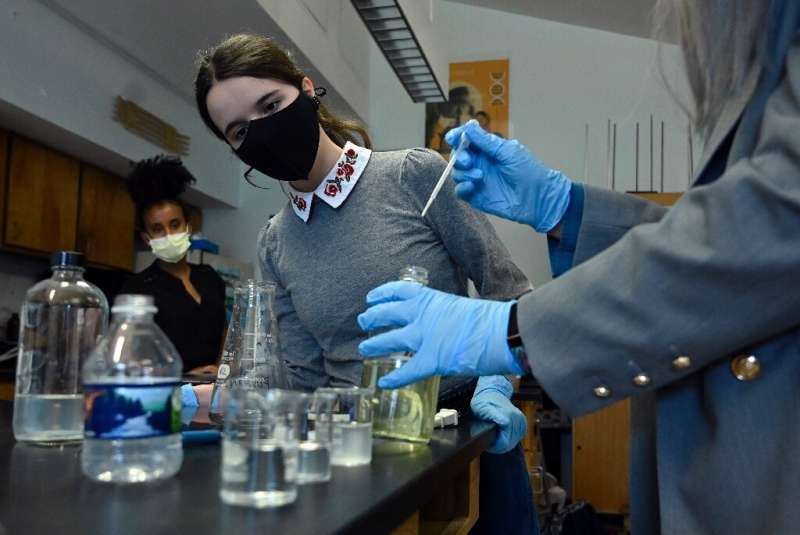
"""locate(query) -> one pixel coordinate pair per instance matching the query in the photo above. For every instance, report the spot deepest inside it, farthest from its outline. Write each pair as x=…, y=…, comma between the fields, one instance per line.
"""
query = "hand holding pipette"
x=501, y=177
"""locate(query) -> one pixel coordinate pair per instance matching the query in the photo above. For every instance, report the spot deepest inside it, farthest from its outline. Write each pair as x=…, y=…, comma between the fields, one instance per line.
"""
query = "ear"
x=307, y=86
x=145, y=238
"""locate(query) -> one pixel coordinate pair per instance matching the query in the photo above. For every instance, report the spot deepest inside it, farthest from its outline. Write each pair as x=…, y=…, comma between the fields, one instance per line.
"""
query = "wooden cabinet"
x=106, y=221
x=53, y=204
x=4, y=140
x=601, y=458
x=42, y=199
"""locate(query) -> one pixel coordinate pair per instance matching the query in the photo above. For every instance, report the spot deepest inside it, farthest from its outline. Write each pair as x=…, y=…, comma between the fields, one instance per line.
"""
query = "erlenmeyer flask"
x=251, y=354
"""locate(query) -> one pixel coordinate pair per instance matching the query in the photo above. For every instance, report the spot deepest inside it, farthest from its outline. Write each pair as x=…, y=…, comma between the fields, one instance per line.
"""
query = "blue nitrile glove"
x=492, y=401
x=502, y=177
x=189, y=404
x=451, y=335
x=188, y=397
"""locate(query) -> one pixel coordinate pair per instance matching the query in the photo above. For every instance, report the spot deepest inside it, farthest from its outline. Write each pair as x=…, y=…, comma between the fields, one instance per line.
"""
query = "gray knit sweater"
x=324, y=267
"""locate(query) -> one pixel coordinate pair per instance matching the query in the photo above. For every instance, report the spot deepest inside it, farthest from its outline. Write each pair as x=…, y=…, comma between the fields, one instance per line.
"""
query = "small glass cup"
x=351, y=425
x=405, y=413
x=314, y=450
x=260, y=447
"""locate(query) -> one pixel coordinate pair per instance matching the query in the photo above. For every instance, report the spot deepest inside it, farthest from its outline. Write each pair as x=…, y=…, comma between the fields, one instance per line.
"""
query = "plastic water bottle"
x=60, y=322
x=132, y=399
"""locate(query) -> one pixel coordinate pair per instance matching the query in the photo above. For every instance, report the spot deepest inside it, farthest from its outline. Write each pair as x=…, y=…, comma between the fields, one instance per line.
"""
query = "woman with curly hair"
x=190, y=298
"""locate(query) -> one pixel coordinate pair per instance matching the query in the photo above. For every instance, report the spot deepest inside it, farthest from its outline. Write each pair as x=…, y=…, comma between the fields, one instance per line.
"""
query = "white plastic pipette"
x=463, y=144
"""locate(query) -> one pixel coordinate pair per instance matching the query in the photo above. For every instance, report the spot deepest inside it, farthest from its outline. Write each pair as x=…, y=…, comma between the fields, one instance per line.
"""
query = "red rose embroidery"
x=350, y=153
x=300, y=203
x=339, y=172
x=331, y=190
x=348, y=169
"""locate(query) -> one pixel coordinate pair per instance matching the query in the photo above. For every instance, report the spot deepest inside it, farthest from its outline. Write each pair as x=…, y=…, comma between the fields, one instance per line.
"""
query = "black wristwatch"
x=514, y=340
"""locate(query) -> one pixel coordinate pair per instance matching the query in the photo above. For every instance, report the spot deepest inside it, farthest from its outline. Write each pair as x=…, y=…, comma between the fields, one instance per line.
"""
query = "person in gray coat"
x=693, y=312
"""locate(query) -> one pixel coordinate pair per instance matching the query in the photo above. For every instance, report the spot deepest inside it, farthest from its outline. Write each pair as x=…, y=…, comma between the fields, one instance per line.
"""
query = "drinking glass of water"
x=260, y=446
x=351, y=425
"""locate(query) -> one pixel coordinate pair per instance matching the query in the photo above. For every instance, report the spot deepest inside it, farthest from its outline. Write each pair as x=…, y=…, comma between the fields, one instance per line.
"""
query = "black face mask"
x=284, y=145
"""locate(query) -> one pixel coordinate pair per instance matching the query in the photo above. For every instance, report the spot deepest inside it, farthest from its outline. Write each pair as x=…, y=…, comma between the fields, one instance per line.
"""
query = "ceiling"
x=629, y=17
x=163, y=37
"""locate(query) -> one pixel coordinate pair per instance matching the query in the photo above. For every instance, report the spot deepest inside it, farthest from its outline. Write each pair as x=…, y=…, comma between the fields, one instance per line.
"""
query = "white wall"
x=561, y=78
x=53, y=70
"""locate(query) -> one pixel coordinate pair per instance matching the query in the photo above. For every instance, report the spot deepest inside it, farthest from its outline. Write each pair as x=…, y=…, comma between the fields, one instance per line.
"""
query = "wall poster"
x=478, y=90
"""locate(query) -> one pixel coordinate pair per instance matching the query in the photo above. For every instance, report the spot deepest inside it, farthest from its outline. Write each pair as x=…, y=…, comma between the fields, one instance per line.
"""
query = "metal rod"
x=691, y=153
x=651, y=152
x=608, y=154
x=586, y=154
x=636, y=174
x=662, y=157
x=614, y=157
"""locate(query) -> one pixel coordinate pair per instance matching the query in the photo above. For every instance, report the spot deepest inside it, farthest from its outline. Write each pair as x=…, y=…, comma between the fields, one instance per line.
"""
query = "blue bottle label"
x=113, y=411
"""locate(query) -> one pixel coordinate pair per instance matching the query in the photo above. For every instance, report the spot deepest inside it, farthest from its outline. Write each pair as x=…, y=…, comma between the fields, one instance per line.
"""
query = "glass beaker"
x=405, y=413
x=260, y=446
x=314, y=451
x=351, y=425
x=251, y=354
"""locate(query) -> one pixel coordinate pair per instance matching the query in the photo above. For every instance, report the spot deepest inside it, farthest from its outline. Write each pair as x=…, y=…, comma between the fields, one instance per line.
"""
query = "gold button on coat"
x=745, y=367
x=641, y=379
x=602, y=391
x=682, y=362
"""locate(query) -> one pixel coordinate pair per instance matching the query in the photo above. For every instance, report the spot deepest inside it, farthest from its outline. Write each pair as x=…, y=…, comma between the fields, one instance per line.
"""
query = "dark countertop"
x=42, y=490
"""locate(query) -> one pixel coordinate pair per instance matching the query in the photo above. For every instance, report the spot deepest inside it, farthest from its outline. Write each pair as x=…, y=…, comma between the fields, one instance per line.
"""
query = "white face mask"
x=172, y=247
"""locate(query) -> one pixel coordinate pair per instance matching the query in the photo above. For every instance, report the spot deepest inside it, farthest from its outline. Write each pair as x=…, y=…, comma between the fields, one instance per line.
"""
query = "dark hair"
x=253, y=55
x=481, y=112
x=159, y=179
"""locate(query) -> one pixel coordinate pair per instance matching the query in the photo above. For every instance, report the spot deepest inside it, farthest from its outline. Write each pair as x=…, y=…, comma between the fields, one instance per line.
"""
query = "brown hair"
x=253, y=55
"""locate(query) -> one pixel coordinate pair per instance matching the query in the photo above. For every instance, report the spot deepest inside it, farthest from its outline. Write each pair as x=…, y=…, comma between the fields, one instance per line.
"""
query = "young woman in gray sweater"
x=353, y=221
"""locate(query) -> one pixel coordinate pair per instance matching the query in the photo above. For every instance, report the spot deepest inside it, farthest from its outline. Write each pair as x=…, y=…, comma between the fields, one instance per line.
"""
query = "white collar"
x=337, y=184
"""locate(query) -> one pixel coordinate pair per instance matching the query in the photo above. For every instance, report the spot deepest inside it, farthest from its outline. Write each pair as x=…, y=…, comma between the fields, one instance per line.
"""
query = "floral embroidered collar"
x=337, y=185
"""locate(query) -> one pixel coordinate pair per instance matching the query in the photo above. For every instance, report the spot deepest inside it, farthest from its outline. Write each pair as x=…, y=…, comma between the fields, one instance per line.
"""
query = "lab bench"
x=432, y=489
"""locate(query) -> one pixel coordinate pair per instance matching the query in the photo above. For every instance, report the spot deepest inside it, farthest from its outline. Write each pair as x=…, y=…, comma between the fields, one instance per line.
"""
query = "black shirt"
x=194, y=328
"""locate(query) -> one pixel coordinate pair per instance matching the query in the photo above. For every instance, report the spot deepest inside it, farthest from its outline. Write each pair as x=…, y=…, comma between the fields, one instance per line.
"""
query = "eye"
x=271, y=107
x=240, y=133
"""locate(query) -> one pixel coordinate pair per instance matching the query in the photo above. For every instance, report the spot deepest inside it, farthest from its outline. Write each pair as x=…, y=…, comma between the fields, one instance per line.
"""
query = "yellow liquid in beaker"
x=405, y=413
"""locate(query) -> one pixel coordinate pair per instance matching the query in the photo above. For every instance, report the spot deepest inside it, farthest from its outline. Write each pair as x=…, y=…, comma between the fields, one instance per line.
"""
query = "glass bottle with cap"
x=405, y=413
x=132, y=399
x=60, y=322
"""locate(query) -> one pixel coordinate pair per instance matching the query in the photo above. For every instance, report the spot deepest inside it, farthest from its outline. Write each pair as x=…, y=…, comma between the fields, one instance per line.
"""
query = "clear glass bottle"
x=405, y=413
x=132, y=399
x=251, y=354
x=60, y=322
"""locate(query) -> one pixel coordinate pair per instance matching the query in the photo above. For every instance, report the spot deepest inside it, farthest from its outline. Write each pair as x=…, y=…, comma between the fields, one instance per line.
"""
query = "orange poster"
x=478, y=90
